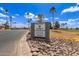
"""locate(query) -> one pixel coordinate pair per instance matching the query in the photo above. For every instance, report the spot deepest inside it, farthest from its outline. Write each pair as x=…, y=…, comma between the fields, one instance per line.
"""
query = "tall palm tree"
x=10, y=21
x=53, y=10
x=15, y=24
x=29, y=19
x=6, y=12
x=63, y=25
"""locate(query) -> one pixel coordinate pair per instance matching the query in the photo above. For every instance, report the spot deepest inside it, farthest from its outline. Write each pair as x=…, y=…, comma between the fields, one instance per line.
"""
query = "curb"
x=22, y=48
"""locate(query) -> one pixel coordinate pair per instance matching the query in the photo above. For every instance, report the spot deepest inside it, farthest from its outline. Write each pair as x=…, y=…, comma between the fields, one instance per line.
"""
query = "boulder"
x=34, y=50
x=35, y=54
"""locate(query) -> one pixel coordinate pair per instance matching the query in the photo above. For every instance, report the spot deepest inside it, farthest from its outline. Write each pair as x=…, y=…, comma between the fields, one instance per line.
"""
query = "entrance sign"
x=40, y=30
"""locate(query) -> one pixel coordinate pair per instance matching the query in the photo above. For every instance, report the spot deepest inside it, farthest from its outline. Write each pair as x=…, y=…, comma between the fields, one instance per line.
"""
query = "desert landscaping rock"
x=34, y=50
x=55, y=47
x=35, y=53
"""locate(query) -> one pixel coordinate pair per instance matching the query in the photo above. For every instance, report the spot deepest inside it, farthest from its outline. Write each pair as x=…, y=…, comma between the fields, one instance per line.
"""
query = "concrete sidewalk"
x=22, y=48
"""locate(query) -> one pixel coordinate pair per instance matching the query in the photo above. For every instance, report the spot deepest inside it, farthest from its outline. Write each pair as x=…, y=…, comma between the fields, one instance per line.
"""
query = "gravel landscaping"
x=61, y=47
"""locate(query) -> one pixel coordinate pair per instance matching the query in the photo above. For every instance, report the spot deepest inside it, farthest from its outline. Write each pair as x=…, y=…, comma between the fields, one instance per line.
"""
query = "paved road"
x=8, y=40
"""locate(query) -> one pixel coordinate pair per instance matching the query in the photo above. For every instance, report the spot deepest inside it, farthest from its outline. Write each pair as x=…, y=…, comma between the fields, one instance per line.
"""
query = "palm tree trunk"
x=10, y=23
x=53, y=21
x=6, y=22
x=28, y=25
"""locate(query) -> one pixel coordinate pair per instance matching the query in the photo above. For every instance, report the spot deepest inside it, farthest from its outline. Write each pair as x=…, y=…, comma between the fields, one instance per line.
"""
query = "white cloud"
x=71, y=23
x=63, y=21
x=2, y=21
x=46, y=19
x=1, y=8
x=35, y=18
x=13, y=16
x=56, y=18
x=69, y=20
x=71, y=9
x=17, y=15
x=31, y=15
x=77, y=4
x=73, y=20
x=2, y=15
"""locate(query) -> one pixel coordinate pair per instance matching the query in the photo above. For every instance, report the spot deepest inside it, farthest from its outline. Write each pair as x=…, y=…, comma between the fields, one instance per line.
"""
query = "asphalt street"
x=8, y=40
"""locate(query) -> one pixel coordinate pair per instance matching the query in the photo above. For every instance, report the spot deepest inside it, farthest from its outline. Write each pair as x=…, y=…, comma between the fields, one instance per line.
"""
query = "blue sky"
x=65, y=12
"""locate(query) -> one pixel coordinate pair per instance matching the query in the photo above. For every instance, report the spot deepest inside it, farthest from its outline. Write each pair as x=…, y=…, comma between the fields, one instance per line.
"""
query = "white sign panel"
x=40, y=33
x=39, y=30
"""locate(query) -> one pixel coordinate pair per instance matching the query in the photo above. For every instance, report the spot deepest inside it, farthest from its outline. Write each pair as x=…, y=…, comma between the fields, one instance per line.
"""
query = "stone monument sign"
x=40, y=30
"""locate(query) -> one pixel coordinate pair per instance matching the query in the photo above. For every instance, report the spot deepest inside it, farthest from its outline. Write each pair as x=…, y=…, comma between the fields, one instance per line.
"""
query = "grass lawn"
x=65, y=34
x=75, y=31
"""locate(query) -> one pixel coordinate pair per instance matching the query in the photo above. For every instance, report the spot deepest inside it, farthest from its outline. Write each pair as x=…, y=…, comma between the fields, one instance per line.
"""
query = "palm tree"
x=63, y=25
x=6, y=12
x=53, y=10
x=15, y=24
x=10, y=21
x=66, y=25
x=29, y=19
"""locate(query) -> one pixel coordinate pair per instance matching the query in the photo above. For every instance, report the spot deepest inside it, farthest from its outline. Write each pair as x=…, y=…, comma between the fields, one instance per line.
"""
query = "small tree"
x=57, y=25
x=76, y=28
x=64, y=25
